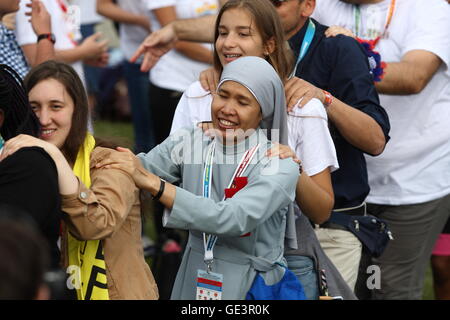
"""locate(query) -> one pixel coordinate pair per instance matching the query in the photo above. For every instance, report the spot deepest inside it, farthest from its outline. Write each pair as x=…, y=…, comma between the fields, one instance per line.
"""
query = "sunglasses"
x=278, y=3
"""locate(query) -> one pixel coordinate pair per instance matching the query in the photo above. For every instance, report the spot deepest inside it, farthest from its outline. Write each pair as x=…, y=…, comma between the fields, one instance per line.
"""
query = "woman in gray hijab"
x=234, y=200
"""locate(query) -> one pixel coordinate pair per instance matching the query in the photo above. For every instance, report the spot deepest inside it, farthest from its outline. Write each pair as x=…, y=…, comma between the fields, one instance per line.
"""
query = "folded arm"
x=411, y=75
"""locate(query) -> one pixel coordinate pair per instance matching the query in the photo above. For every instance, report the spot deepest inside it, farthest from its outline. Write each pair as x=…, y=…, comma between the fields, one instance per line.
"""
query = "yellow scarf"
x=88, y=255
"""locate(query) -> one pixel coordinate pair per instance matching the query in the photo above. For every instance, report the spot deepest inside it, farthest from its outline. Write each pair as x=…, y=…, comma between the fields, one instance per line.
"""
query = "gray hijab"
x=261, y=79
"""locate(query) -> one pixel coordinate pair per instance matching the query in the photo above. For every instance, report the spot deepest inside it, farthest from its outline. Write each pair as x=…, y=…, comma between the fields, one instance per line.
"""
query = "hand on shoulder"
x=23, y=140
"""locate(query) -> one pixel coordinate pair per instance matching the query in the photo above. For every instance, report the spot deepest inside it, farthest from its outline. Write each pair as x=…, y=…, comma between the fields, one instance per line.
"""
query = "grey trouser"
x=415, y=229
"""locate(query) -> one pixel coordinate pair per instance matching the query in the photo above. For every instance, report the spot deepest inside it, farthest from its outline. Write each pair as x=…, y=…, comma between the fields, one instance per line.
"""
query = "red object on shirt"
x=238, y=184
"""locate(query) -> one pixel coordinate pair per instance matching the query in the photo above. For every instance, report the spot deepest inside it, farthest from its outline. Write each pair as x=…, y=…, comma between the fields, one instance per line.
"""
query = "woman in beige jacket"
x=102, y=249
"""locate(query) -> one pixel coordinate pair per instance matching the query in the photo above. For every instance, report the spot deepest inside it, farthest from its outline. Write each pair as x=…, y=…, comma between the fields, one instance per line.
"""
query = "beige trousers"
x=344, y=250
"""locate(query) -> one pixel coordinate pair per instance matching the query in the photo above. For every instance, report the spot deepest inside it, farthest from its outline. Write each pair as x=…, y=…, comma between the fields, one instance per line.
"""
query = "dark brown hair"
x=268, y=24
x=68, y=77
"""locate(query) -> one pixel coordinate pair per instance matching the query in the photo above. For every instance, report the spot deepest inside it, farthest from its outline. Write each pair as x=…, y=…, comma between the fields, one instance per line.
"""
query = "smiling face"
x=234, y=112
x=238, y=37
x=54, y=107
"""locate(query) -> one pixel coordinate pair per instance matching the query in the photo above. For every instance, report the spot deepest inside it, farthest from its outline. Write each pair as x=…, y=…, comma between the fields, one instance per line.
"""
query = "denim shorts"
x=303, y=268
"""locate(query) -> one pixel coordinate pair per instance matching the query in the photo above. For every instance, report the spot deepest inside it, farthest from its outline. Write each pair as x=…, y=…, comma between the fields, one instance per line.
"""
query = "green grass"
x=122, y=134
x=119, y=132
x=428, y=293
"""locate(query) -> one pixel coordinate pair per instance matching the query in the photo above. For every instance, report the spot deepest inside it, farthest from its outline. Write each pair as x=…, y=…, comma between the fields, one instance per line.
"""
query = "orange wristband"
x=328, y=99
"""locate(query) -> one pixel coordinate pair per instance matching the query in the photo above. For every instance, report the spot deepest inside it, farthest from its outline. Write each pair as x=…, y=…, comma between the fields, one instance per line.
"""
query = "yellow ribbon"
x=87, y=255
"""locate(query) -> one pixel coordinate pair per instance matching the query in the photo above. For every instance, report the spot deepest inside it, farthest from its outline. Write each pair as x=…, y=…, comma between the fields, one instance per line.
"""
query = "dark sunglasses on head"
x=278, y=3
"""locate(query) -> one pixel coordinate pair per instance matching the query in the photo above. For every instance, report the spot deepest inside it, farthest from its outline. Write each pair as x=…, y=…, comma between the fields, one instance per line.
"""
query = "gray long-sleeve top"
x=259, y=208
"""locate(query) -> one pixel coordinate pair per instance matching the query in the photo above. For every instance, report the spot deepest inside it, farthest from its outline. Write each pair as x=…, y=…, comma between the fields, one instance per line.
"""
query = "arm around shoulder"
x=411, y=75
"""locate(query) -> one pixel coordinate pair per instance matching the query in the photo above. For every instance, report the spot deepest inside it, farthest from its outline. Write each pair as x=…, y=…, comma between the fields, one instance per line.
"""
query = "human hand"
x=283, y=152
x=299, y=92
x=333, y=31
x=155, y=46
x=93, y=48
x=208, y=128
x=39, y=17
x=100, y=62
x=22, y=141
x=209, y=79
x=126, y=161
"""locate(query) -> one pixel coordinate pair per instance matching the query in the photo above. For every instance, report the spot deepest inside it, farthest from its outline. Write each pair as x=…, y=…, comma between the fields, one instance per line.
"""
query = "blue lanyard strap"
x=307, y=40
x=209, y=240
x=207, y=173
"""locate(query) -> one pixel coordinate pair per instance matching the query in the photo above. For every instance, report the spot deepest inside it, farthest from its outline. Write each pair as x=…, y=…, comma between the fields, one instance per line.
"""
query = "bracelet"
x=161, y=190
x=328, y=99
x=49, y=36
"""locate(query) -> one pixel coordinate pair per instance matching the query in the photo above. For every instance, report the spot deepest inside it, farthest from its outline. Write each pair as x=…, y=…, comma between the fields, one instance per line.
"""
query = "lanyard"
x=207, y=172
x=209, y=240
x=357, y=14
x=389, y=17
x=305, y=44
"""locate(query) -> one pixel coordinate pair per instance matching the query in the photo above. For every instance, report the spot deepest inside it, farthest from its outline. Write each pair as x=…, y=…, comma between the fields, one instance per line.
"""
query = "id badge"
x=209, y=285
